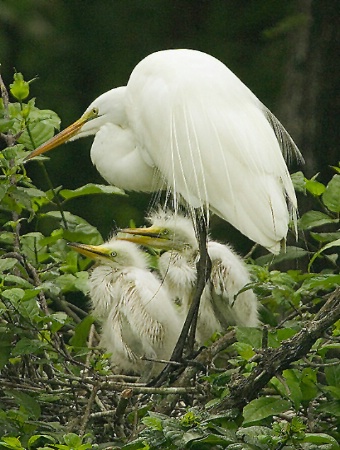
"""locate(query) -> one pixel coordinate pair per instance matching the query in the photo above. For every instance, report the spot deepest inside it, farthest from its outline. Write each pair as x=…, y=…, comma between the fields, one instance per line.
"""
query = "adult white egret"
x=185, y=122
x=137, y=315
x=221, y=305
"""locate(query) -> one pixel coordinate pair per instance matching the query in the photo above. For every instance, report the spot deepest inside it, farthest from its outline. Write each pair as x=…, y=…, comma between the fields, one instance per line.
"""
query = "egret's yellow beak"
x=151, y=237
x=63, y=136
x=91, y=251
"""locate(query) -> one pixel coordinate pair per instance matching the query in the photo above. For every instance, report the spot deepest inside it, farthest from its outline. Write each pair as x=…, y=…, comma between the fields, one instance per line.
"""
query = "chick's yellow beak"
x=150, y=237
x=91, y=251
x=63, y=136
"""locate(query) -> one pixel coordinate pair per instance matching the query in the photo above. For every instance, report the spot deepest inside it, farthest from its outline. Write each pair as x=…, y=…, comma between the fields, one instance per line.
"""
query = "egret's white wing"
x=135, y=296
x=211, y=139
x=228, y=276
x=124, y=356
x=151, y=311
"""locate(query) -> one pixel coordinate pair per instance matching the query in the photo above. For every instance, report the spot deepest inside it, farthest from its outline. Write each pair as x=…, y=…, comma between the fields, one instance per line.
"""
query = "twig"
x=63, y=304
x=90, y=345
x=122, y=404
x=313, y=364
x=88, y=410
x=110, y=412
x=37, y=282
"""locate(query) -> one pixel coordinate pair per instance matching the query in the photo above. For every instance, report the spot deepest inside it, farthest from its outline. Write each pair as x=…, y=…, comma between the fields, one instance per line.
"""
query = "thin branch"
x=87, y=412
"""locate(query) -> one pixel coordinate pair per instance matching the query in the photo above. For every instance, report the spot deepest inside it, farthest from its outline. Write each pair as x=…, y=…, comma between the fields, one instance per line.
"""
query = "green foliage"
x=57, y=385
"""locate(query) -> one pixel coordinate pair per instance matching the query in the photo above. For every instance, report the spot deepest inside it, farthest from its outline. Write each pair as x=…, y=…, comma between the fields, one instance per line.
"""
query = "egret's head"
x=168, y=231
x=108, y=107
x=116, y=253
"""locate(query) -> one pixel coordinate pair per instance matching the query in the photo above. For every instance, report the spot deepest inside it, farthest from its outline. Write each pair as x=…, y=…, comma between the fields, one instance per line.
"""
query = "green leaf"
x=34, y=192
x=14, y=294
x=251, y=336
x=332, y=374
x=30, y=405
x=22, y=200
x=321, y=438
x=325, y=237
x=334, y=391
x=71, y=283
x=137, y=444
x=79, y=230
x=12, y=443
x=57, y=320
x=7, y=263
x=332, y=408
x=325, y=247
x=29, y=308
x=17, y=281
x=331, y=196
x=292, y=253
x=72, y=440
x=244, y=350
x=46, y=116
x=153, y=422
x=263, y=407
x=6, y=125
x=33, y=439
x=31, y=247
x=90, y=189
x=315, y=188
x=6, y=346
x=3, y=189
x=308, y=384
x=299, y=181
x=313, y=219
x=81, y=332
x=336, y=169
x=39, y=133
x=291, y=388
x=19, y=88
x=253, y=434
x=28, y=346
x=211, y=441
x=327, y=281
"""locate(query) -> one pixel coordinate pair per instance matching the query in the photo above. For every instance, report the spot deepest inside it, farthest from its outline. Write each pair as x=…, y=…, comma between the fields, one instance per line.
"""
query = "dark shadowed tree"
x=310, y=96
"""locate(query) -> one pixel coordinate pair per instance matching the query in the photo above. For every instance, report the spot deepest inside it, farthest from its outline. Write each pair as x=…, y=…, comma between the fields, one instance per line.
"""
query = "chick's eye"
x=113, y=254
x=165, y=232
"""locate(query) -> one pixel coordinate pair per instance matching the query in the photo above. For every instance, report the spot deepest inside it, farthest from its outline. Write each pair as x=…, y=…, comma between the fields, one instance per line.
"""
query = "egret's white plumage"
x=221, y=305
x=138, y=318
x=186, y=123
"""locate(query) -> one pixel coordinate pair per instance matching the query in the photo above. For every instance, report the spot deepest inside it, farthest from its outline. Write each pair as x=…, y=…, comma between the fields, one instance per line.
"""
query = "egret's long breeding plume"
x=184, y=122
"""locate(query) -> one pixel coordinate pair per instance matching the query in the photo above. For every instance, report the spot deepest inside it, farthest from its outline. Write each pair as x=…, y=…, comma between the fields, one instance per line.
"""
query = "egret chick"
x=137, y=315
x=221, y=305
x=186, y=123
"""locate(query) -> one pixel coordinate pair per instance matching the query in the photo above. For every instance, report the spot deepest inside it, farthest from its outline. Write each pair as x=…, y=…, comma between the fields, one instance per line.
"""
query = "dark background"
x=285, y=51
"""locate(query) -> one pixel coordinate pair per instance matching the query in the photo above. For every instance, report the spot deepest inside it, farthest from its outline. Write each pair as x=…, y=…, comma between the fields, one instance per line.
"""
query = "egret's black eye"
x=113, y=254
x=95, y=111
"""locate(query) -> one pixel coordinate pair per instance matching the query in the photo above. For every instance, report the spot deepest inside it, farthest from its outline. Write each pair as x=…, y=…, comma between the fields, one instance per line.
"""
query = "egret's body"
x=221, y=305
x=186, y=123
x=138, y=318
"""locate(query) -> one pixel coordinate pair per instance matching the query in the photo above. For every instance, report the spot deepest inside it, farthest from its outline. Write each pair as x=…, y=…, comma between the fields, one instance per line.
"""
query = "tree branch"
x=275, y=360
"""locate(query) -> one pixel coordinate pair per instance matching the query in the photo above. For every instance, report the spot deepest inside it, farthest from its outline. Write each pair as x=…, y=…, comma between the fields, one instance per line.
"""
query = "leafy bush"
x=276, y=388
